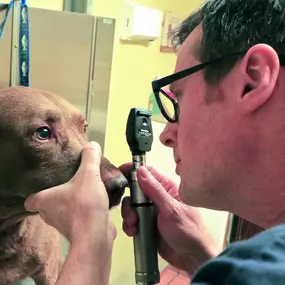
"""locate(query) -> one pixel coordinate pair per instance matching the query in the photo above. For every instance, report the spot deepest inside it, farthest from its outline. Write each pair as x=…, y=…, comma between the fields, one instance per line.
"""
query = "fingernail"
x=29, y=204
x=92, y=145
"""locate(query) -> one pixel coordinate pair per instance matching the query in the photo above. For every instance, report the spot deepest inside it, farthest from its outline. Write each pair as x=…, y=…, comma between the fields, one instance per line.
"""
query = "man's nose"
x=169, y=135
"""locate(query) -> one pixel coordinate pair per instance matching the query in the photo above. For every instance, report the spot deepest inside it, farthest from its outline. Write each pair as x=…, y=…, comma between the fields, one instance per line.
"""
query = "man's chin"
x=187, y=195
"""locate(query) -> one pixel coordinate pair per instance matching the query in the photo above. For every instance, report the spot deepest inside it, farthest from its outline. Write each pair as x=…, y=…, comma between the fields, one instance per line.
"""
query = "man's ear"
x=261, y=68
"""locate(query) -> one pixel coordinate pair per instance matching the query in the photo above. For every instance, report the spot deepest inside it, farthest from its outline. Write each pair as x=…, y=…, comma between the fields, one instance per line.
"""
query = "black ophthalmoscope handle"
x=145, y=245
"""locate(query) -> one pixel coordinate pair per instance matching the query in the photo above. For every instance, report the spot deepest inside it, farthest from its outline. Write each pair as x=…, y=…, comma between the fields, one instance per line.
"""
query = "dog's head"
x=41, y=140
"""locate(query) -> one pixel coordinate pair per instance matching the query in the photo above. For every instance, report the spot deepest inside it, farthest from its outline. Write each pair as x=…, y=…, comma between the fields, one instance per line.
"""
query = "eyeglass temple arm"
x=157, y=84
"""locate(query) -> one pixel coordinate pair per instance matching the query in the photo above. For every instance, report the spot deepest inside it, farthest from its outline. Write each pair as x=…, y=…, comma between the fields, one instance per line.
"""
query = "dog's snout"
x=116, y=183
x=121, y=181
x=115, y=188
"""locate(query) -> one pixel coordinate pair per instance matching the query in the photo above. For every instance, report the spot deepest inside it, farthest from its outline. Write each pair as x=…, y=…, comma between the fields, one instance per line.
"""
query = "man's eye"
x=171, y=94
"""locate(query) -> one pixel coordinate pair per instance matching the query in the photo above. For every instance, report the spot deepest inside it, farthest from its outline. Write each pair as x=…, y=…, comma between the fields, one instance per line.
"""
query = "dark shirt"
x=257, y=261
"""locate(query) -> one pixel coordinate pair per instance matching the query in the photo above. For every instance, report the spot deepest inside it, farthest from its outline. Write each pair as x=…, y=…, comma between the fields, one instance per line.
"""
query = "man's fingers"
x=129, y=231
x=155, y=191
x=128, y=214
x=33, y=202
x=90, y=160
x=167, y=183
x=126, y=168
x=38, y=201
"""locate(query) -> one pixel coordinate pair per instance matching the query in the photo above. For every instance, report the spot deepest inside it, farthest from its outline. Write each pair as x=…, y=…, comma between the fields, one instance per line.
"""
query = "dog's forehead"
x=29, y=102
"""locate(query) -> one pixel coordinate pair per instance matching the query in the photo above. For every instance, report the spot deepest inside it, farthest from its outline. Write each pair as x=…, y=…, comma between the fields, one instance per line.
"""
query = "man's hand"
x=184, y=241
x=81, y=204
x=79, y=209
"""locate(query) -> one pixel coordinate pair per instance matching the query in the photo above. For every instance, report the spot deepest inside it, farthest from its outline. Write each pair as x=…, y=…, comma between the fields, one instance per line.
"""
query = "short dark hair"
x=232, y=26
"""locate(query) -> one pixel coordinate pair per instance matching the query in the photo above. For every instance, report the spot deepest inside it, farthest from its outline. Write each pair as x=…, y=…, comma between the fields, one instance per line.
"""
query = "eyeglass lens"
x=167, y=104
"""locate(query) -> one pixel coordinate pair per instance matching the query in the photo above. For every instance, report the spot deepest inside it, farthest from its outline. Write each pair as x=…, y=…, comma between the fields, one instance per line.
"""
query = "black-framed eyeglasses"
x=168, y=104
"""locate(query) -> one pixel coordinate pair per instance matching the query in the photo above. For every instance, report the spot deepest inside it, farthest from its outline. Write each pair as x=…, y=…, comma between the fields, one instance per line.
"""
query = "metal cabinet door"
x=61, y=53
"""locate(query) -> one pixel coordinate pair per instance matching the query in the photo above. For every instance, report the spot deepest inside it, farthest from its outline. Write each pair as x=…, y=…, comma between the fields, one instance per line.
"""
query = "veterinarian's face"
x=205, y=140
x=42, y=137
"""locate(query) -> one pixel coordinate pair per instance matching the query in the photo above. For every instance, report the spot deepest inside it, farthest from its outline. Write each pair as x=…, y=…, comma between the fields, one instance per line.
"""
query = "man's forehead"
x=186, y=56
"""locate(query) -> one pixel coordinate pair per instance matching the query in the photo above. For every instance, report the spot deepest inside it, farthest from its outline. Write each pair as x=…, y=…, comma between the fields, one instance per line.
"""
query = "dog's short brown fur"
x=41, y=140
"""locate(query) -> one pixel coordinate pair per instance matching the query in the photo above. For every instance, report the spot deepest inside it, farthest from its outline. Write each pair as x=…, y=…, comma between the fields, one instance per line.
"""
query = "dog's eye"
x=43, y=133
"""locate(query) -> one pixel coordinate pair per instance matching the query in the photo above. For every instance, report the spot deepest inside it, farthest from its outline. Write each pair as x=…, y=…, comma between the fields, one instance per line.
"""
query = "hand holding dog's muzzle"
x=79, y=206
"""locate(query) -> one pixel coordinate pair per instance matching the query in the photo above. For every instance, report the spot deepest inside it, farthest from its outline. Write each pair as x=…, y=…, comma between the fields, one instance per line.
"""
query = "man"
x=228, y=139
x=226, y=134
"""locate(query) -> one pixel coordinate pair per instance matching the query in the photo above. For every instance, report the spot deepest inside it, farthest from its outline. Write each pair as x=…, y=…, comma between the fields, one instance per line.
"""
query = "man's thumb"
x=91, y=157
x=31, y=203
x=155, y=191
x=36, y=202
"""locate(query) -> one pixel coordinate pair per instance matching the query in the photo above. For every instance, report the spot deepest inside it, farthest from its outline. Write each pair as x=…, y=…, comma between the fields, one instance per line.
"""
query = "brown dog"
x=41, y=140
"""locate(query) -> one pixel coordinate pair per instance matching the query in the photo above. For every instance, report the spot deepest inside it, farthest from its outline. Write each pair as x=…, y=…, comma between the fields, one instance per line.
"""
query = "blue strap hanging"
x=24, y=39
x=24, y=46
x=8, y=8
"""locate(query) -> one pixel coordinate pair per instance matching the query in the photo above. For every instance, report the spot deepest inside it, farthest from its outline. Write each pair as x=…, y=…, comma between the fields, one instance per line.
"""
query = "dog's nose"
x=115, y=188
x=121, y=181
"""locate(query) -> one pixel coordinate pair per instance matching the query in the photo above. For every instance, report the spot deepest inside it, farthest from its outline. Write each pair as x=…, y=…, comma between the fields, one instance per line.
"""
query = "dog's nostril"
x=122, y=181
x=116, y=184
x=116, y=188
